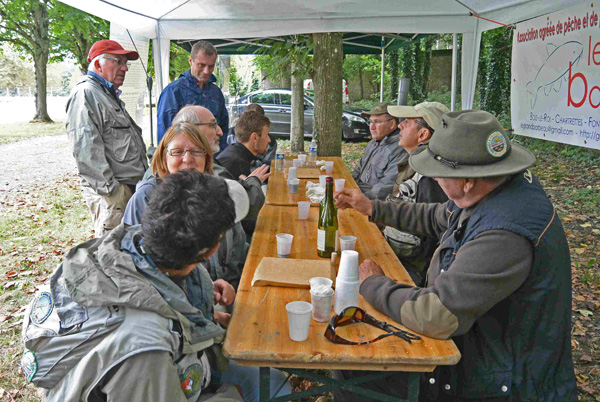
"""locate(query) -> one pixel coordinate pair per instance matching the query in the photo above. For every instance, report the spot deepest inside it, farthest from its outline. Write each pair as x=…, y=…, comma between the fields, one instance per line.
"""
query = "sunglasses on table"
x=352, y=315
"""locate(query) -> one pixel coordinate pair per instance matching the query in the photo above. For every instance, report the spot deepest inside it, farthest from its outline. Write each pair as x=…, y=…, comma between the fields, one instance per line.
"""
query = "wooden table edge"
x=332, y=366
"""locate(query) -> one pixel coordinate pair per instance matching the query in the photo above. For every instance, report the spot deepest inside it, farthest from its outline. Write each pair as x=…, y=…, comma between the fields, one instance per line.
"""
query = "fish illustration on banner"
x=553, y=71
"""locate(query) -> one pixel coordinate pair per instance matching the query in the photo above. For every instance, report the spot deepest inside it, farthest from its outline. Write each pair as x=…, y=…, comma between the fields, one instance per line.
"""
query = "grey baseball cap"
x=431, y=112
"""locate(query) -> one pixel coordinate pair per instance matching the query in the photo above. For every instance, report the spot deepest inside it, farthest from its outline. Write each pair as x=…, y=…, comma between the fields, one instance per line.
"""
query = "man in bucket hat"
x=107, y=143
x=377, y=171
x=499, y=284
x=419, y=124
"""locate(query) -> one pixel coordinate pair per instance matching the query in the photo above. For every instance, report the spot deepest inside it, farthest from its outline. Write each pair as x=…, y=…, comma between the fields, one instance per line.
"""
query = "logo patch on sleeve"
x=42, y=308
x=29, y=365
x=496, y=144
x=191, y=380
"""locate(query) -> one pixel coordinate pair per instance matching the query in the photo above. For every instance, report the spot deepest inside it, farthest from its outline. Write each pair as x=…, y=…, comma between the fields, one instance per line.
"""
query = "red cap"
x=110, y=46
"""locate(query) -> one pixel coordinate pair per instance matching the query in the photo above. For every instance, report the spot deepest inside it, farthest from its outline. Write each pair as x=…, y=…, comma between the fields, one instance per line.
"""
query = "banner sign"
x=555, y=86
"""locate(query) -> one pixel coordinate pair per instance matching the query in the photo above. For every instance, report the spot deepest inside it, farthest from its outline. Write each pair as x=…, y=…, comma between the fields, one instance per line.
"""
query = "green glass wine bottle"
x=327, y=236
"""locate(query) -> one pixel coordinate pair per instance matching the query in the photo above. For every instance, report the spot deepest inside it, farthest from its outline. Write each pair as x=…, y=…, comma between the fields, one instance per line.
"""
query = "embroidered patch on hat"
x=191, y=380
x=42, y=308
x=496, y=144
x=29, y=365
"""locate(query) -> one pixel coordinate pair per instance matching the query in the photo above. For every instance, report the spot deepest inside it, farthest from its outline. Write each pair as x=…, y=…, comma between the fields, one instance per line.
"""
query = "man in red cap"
x=107, y=143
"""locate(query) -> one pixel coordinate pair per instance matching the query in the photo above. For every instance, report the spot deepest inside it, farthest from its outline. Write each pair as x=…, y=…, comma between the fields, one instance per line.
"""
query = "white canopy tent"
x=165, y=20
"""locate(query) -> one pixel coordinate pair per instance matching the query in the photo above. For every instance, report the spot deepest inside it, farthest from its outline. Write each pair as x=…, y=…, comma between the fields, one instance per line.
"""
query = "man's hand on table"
x=261, y=172
x=224, y=292
x=369, y=268
x=353, y=198
x=223, y=318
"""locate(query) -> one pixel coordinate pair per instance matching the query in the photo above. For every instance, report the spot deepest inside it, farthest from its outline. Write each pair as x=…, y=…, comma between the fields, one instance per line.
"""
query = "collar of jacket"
x=392, y=137
x=192, y=81
x=105, y=83
x=113, y=264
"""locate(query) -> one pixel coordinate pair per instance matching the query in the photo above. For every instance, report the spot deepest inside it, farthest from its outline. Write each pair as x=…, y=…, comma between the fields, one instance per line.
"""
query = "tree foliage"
x=179, y=61
x=73, y=32
x=278, y=57
x=25, y=25
x=494, y=72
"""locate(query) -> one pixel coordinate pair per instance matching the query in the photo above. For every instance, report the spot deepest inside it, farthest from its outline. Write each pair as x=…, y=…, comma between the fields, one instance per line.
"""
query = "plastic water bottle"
x=279, y=158
x=312, y=154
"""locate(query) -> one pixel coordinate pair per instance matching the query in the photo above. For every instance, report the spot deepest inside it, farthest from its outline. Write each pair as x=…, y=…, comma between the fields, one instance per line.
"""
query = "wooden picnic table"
x=277, y=190
x=258, y=331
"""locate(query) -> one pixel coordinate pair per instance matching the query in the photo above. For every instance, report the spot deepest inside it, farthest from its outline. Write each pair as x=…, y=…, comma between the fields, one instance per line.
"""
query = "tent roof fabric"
x=218, y=19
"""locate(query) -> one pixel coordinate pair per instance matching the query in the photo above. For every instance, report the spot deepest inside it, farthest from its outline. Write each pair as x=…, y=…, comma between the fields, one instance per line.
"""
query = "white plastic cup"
x=346, y=294
x=320, y=280
x=303, y=209
x=323, y=180
x=348, y=270
x=297, y=163
x=347, y=243
x=339, y=184
x=293, y=185
x=284, y=245
x=299, y=319
x=329, y=167
x=292, y=173
x=321, y=302
x=302, y=157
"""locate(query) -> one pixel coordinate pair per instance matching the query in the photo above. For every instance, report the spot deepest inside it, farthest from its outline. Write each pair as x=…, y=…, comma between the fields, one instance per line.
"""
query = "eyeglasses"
x=424, y=125
x=376, y=122
x=213, y=124
x=352, y=315
x=180, y=153
x=119, y=61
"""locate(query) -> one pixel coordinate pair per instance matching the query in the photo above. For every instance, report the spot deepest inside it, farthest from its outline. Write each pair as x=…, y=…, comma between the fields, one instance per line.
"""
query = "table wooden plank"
x=258, y=332
x=277, y=190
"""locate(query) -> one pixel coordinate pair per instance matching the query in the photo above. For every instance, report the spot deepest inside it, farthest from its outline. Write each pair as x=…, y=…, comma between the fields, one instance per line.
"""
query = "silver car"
x=277, y=104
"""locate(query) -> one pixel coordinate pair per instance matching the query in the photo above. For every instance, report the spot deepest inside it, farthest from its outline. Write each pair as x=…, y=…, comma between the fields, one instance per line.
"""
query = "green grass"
x=18, y=131
x=37, y=226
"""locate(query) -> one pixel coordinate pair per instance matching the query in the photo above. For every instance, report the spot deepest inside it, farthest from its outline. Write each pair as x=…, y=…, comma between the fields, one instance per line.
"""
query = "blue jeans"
x=248, y=378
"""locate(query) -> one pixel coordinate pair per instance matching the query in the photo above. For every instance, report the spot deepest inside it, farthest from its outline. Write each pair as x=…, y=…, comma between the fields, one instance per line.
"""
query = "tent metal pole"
x=382, y=67
x=454, y=66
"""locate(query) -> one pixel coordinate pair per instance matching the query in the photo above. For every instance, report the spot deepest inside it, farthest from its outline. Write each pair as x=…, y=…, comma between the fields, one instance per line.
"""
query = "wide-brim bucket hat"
x=470, y=144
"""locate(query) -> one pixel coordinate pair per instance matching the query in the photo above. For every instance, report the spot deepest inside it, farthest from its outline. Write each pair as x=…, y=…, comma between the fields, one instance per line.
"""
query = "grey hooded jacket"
x=100, y=285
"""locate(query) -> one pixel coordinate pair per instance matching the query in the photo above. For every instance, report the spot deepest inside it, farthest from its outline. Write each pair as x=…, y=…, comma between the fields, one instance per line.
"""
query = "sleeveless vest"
x=522, y=346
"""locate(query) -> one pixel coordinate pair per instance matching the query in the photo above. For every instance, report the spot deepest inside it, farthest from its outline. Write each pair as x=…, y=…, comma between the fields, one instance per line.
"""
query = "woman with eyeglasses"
x=184, y=147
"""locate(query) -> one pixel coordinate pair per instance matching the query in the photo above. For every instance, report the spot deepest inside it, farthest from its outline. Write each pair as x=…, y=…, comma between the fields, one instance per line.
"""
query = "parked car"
x=278, y=108
x=309, y=89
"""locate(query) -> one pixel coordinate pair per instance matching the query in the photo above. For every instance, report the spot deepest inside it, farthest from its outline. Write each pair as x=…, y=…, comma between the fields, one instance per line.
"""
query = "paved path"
x=34, y=161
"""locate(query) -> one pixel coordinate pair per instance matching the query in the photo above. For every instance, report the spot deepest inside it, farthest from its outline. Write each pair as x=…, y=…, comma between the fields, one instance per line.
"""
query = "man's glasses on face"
x=211, y=124
x=180, y=152
x=423, y=124
x=378, y=122
x=352, y=315
x=120, y=62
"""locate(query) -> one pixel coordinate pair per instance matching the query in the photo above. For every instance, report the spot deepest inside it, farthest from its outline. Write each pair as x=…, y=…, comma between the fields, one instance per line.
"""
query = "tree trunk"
x=285, y=81
x=297, y=118
x=360, y=79
x=40, y=58
x=327, y=128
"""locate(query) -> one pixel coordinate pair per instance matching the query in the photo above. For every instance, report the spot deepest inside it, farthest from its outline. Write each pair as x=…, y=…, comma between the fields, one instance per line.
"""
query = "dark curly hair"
x=186, y=215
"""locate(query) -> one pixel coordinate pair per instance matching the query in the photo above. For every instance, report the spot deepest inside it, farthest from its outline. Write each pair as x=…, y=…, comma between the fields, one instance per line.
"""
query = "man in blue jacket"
x=197, y=86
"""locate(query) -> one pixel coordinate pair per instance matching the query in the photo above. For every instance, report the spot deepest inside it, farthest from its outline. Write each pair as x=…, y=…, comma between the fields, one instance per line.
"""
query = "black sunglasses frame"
x=352, y=315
